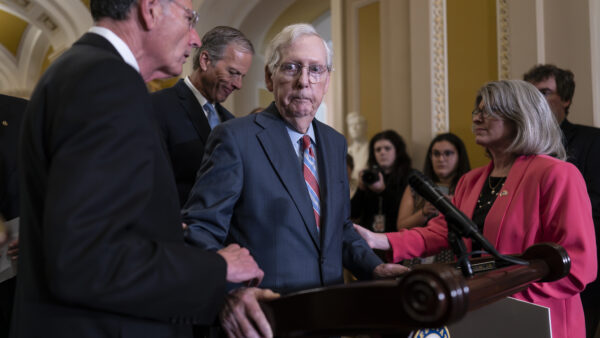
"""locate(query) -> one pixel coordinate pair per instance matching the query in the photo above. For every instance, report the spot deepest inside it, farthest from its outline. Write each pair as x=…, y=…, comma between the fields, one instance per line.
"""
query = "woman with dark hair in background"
x=380, y=186
x=446, y=162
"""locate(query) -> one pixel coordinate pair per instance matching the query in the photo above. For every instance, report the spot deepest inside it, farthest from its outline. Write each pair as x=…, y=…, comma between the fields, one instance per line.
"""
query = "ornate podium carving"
x=428, y=296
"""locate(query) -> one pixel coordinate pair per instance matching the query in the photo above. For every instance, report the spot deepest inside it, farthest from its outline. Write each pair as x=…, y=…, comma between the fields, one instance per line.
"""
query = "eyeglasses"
x=192, y=15
x=445, y=153
x=291, y=70
x=483, y=113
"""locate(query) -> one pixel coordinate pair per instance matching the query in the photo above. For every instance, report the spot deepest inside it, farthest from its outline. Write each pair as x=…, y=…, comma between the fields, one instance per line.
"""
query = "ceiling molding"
x=53, y=23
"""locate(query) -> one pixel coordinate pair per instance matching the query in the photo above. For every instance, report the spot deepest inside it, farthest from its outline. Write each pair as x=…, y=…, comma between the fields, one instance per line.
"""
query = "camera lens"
x=371, y=176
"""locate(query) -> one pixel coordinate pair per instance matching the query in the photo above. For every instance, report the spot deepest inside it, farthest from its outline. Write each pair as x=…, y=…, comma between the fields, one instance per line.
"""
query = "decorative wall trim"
x=503, y=29
x=439, y=68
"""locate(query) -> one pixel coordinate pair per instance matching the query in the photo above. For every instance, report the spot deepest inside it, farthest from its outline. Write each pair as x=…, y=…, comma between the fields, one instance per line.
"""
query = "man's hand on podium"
x=242, y=316
x=241, y=267
x=387, y=270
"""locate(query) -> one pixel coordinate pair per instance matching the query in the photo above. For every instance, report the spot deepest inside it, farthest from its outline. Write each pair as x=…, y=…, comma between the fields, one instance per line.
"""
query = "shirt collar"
x=119, y=45
x=296, y=136
x=195, y=91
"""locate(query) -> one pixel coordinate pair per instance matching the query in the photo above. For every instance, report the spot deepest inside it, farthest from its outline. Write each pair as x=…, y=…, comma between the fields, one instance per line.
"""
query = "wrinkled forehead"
x=305, y=49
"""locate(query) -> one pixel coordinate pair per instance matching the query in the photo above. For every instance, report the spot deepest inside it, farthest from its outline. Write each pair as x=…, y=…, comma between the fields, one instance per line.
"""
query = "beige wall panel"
x=567, y=41
x=395, y=67
x=595, y=62
x=564, y=33
x=420, y=18
x=525, y=43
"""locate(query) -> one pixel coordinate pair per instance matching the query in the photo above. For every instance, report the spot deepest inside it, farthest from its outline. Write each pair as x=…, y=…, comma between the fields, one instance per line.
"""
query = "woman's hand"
x=13, y=250
x=429, y=210
x=374, y=240
x=376, y=187
x=379, y=186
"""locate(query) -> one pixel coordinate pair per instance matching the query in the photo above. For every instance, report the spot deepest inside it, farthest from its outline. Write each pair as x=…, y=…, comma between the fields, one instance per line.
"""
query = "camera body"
x=371, y=175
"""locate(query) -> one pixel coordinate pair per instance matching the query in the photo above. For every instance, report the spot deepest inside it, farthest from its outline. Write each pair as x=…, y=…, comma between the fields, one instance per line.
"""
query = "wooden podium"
x=429, y=296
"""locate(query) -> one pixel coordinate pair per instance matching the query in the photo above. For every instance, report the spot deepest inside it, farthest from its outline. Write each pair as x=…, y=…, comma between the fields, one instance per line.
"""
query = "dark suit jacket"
x=583, y=150
x=185, y=129
x=11, y=114
x=102, y=250
x=250, y=190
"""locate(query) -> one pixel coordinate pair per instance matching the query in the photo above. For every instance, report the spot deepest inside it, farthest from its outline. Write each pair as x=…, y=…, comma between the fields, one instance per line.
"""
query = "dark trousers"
x=590, y=298
x=7, y=296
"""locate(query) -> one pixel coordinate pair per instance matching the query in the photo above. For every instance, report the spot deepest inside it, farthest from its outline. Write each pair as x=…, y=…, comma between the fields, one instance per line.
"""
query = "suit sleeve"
x=101, y=178
x=357, y=256
x=216, y=190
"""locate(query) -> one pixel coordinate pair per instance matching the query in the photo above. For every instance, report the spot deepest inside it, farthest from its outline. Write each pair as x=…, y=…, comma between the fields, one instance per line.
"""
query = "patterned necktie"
x=309, y=170
x=213, y=118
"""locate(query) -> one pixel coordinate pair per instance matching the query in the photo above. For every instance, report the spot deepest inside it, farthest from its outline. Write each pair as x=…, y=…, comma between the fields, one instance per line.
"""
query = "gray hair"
x=286, y=37
x=517, y=101
x=217, y=39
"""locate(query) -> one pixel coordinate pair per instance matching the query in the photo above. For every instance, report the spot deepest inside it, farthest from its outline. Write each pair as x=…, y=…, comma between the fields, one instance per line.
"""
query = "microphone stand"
x=460, y=251
x=459, y=225
x=455, y=235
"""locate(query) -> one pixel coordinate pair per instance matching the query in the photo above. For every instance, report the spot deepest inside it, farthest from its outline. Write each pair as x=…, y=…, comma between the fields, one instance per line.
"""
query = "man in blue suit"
x=253, y=187
x=187, y=112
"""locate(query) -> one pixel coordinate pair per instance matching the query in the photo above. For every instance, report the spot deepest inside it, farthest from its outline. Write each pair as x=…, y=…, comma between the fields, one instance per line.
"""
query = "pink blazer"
x=543, y=200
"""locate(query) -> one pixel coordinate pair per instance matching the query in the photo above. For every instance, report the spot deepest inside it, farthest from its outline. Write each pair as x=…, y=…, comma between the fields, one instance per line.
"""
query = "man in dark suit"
x=11, y=114
x=186, y=111
x=102, y=251
x=252, y=184
x=583, y=150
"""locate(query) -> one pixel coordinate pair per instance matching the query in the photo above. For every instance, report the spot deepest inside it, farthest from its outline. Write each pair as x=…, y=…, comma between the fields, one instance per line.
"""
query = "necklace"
x=500, y=183
x=488, y=196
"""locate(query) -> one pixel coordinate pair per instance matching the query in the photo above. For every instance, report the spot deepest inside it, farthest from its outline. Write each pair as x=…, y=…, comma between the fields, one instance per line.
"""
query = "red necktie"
x=309, y=170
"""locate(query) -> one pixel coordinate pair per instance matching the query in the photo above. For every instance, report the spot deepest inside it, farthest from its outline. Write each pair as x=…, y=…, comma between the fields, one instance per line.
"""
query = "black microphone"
x=455, y=218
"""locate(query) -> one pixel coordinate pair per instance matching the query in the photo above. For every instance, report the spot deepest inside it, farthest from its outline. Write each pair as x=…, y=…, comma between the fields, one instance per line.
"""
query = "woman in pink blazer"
x=526, y=195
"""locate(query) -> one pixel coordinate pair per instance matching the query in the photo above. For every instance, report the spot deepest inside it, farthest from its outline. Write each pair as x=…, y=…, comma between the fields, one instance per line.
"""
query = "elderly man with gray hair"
x=276, y=183
x=188, y=111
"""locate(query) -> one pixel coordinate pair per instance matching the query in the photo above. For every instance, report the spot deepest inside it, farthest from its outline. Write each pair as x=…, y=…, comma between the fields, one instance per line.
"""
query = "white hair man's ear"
x=268, y=79
x=149, y=12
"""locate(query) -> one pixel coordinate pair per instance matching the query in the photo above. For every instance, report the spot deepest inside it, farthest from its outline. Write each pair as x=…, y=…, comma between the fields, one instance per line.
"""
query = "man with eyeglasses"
x=583, y=150
x=188, y=111
x=276, y=183
x=102, y=252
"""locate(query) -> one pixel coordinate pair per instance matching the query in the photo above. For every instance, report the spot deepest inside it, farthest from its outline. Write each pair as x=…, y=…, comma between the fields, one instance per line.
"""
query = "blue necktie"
x=211, y=114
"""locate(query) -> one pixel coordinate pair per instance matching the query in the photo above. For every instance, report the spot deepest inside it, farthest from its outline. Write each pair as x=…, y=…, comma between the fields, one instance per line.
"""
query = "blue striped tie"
x=309, y=170
x=213, y=118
